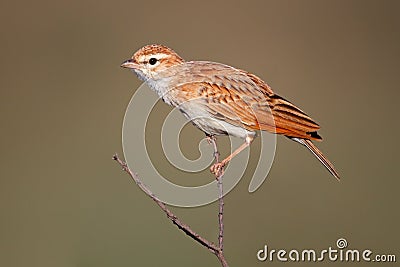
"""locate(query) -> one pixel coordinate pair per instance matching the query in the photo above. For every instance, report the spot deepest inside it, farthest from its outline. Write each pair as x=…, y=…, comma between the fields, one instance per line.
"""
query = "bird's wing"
x=227, y=105
x=244, y=100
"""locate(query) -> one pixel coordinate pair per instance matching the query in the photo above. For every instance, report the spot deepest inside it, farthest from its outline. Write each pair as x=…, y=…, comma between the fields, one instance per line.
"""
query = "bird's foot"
x=210, y=139
x=218, y=169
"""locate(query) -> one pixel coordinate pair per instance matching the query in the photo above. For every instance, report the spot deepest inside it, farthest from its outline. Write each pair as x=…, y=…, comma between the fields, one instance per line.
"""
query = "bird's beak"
x=129, y=64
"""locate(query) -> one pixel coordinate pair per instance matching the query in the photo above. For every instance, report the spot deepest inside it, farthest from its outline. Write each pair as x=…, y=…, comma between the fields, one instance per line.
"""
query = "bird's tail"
x=318, y=154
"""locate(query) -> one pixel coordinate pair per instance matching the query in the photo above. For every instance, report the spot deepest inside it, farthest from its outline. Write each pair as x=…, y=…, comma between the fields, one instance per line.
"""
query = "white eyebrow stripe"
x=159, y=55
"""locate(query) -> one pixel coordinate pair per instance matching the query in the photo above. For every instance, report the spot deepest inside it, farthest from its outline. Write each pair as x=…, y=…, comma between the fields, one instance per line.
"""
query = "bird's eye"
x=152, y=61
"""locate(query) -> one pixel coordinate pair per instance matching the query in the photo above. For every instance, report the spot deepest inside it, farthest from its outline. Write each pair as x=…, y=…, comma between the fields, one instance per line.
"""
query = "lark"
x=223, y=100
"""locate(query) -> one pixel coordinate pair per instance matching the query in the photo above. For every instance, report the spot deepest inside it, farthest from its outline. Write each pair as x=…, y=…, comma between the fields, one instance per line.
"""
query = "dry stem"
x=216, y=250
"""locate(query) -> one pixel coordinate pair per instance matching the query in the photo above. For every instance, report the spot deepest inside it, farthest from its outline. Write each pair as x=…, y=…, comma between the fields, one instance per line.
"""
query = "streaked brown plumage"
x=222, y=100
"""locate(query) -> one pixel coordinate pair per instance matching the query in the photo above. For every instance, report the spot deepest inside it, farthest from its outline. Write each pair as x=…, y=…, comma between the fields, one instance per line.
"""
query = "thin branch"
x=217, y=251
x=219, y=178
x=221, y=214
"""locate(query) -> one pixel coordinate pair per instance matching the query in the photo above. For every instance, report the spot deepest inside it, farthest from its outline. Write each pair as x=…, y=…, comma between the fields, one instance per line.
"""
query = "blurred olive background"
x=65, y=202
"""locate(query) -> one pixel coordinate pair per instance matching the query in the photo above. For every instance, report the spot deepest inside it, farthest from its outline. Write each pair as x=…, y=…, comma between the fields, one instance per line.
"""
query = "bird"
x=222, y=100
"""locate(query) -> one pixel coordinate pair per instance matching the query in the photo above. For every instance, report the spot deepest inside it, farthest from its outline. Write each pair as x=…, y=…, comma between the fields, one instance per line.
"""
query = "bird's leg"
x=212, y=140
x=217, y=168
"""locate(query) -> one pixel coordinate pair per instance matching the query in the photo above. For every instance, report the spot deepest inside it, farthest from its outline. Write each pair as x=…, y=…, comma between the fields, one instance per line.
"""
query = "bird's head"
x=151, y=60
